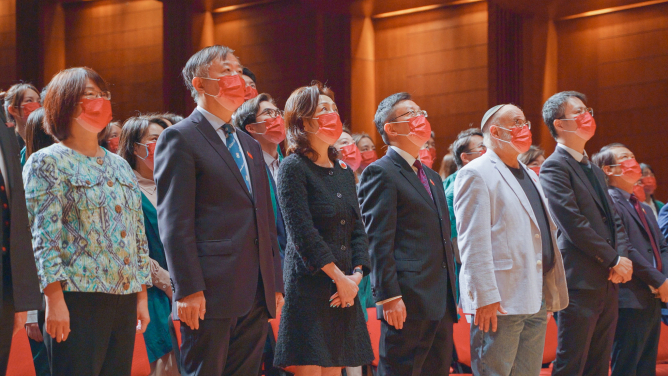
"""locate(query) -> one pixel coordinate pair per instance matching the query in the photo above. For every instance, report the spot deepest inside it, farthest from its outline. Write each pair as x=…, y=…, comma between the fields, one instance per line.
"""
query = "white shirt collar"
x=575, y=154
x=215, y=121
x=268, y=159
x=409, y=158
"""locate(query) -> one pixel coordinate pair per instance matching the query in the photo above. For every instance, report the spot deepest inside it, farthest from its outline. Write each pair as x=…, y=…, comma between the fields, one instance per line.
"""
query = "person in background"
x=663, y=221
x=37, y=139
x=112, y=136
x=19, y=283
x=591, y=237
x=649, y=184
x=406, y=216
x=216, y=224
x=427, y=153
x=533, y=158
x=448, y=167
x=20, y=100
x=367, y=150
x=137, y=146
x=636, y=343
x=170, y=118
x=95, y=277
x=251, y=88
x=322, y=327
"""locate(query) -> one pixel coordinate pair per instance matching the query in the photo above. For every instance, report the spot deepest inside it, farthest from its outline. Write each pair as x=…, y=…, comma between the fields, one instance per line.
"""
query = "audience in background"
x=111, y=136
x=19, y=101
x=250, y=91
x=533, y=158
x=170, y=118
x=448, y=167
x=367, y=150
x=649, y=184
x=348, y=151
x=427, y=154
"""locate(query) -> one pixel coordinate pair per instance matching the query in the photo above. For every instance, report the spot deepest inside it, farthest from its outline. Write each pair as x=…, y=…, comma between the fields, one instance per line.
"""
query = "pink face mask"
x=250, y=93
x=368, y=157
x=274, y=131
x=419, y=130
x=650, y=184
x=231, y=92
x=95, y=114
x=28, y=109
x=113, y=144
x=535, y=169
x=631, y=171
x=351, y=155
x=329, y=128
x=520, y=138
x=586, y=126
x=639, y=192
x=427, y=156
x=148, y=157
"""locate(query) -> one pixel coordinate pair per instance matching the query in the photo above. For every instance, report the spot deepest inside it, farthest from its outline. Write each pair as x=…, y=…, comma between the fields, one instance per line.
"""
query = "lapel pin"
x=343, y=164
x=432, y=182
x=249, y=154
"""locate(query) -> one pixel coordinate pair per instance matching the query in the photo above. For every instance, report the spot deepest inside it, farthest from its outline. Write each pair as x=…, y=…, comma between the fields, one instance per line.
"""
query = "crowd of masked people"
x=243, y=212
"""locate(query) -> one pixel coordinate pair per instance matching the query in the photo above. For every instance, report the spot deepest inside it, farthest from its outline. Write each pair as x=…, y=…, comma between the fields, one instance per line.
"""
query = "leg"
x=532, y=342
x=493, y=353
x=354, y=371
x=308, y=371
x=6, y=329
x=600, y=349
x=204, y=351
x=118, y=359
x=331, y=371
x=636, y=341
x=439, y=358
x=400, y=351
x=647, y=362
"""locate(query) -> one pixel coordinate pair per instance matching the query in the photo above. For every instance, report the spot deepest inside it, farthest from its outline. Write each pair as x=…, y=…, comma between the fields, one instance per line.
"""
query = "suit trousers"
x=6, y=329
x=227, y=347
x=421, y=348
x=636, y=342
x=586, y=331
x=102, y=339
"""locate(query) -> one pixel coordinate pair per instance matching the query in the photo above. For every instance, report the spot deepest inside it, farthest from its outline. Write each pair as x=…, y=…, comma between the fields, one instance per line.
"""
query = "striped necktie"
x=235, y=150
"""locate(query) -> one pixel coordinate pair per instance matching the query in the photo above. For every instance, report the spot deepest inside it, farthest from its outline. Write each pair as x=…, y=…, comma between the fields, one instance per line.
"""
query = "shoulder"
x=51, y=155
x=291, y=165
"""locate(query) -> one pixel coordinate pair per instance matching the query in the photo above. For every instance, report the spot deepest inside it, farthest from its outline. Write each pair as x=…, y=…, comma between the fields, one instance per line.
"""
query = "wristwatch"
x=358, y=270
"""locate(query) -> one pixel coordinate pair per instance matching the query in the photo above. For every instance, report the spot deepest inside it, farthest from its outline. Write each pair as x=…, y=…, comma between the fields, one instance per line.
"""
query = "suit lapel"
x=434, y=193
x=625, y=204
x=575, y=165
x=7, y=141
x=219, y=146
x=514, y=184
x=245, y=142
x=410, y=175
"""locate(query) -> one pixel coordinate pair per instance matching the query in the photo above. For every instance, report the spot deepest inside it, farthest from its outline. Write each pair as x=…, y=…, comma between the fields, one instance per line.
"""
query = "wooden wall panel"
x=7, y=43
x=440, y=57
x=620, y=61
x=122, y=41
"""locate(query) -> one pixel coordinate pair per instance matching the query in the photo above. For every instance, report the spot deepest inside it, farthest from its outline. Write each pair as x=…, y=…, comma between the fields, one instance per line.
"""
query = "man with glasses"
x=510, y=260
x=591, y=237
x=412, y=267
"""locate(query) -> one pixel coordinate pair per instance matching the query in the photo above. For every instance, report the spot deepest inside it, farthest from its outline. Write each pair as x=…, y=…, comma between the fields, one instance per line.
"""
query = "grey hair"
x=385, y=109
x=198, y=65
x=555, y=108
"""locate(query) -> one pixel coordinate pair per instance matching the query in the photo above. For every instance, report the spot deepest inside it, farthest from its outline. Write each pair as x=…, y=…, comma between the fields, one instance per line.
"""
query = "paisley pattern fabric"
x=86, y=221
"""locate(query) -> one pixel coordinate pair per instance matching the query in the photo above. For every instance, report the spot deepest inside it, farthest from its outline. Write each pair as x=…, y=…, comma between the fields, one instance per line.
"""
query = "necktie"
x=422, y=176
x=235, y=150
x=641, y=213
x=585, y=160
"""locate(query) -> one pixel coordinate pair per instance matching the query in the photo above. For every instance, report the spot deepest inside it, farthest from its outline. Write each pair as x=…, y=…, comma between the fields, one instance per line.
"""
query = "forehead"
x=228, y=61
x=512, y=112
x=345, y=136
x=154, y=128
x=266, y=104
x=325, y=99
x=574, y=102
x=621, y=151
x=247, y=79
x=405, y=106
x=475, y=139
x=90, y=84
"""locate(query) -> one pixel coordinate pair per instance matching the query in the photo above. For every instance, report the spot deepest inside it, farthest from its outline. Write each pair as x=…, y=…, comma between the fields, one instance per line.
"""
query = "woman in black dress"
x=322, y=325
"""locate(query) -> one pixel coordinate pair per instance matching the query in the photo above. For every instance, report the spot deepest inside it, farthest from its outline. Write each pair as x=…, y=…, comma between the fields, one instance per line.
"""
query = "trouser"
x=102, y=337
x=636, y=343
x=229, y=347
x=6, y=329
x=586, y=331
x=516, y=348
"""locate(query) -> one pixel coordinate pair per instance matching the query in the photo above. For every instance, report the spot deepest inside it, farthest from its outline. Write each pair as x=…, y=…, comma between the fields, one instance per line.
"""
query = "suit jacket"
x=584, y=236
x=663, y=221
x=500, y=242
x=23, y=268
x=218, y=237
x=636, y=292
x=409, y=238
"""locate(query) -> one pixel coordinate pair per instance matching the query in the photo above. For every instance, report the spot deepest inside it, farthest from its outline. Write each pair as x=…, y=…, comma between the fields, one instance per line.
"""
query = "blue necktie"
x=234, y=148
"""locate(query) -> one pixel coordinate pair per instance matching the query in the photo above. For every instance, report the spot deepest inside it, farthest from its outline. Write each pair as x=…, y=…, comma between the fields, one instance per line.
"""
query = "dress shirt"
x=409, y=158
x=272, y=163
x=3, y=170
x=148, y=188
x=574, y=153
x=217, y=124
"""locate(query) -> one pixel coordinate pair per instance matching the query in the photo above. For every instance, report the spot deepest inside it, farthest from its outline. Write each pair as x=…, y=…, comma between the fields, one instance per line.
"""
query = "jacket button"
x=110, y=183
x=256, y=242
x=343, y=221
x=118, y=208
x=126, y=286
x=99, y=161
x=126, y=260
x=339, y=195
x=539, y=263
x=444, y=265
x=331, y=172
x=343, y=247
x=609, y=241
x=88, y=182
x=123, y=234
x=537, y=236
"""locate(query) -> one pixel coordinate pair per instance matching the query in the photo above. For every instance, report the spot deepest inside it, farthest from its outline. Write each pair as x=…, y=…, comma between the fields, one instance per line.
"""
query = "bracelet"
x=358, y=270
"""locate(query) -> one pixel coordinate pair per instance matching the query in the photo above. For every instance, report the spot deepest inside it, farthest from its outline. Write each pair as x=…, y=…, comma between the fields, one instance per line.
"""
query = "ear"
x=494, y=131
x=198, y=84
x=389, y=130
x=464, y=157
x=13, y=111
x=607, y=170
x=251, y=128
x=558, y=124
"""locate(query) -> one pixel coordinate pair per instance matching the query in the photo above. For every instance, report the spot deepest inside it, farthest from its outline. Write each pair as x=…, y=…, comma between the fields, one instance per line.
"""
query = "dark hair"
x=155, y=117
x=247, y=112
x=605, y=156
x=301, y=104
x=448, y=166
x=199, y=63
x=170, y=117
x=357, y=137
x=555, y=108
x=531, y=155
x=104, y=136
x=132, y=132
x=247, y=72
x=461, y=144
x=385, y=109
x=36, y=138
x=14, y=96
x=65, y=91
x=645, y=166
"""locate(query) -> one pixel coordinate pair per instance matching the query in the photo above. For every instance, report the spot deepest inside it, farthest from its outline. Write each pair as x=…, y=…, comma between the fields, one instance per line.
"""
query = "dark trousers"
x=422, y=347
x=38, y=349
x=229, y=347
x=6, y=329
x=586, y=332
x=637, y=341
x=102, y=339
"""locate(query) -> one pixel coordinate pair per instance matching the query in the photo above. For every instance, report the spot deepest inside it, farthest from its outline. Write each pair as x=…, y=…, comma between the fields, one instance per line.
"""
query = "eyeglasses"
x=518, y=124
x=411, y=114
x=482, y=147
x=588, y=109
x=273, y=113
x=102, y=94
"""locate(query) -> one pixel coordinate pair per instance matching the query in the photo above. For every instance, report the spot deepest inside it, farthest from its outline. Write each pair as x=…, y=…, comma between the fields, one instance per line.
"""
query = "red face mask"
x=639, y=192
x=28, y=109
x=631, y=171
x=231, y=92
x=251, y=93
x=150, y=154
x=274, y=130
x=95, y=115
x=351, y=155
x=329, y=128
x=419, y=130
x=649, y=182
x=586, y=126
x=427, y=156
x=368, y=157
x=535, y=169
x=520, y=138
x=113, y=144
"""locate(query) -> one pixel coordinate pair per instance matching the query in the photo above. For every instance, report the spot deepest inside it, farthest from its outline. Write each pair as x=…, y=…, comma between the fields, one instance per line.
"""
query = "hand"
x=614, y=277
x=57, y=314
x=624, y=268
x=279, y=303
x=346, y=290
x=191, y=309
x=34, y=333
x=142, y=310
x=20, y=319
x=549, y=316
x=663, y=291
x=486, y=315
x=394, y=312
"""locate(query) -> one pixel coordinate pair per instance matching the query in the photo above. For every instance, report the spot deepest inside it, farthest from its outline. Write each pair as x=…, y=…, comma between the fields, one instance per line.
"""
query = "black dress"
x=323, y=223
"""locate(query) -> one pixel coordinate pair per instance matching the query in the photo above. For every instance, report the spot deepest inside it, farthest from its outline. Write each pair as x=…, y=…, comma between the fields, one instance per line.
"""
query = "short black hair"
x=605, y=156
x=247, y=112
x=555, y=108
x=461, y=144
x=385, y=109
x=247, y=72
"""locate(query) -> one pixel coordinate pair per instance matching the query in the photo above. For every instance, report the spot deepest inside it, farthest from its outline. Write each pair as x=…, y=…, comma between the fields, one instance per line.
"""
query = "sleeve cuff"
x=615, y=262
x=388, y=300
x=32, y=317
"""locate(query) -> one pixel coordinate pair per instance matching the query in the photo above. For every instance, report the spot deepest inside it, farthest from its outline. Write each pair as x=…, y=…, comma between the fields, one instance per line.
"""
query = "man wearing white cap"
x=511, y=263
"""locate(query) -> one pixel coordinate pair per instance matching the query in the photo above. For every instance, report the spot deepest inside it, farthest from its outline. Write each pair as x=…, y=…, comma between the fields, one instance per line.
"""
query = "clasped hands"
x=622, y=272
x=346, y=291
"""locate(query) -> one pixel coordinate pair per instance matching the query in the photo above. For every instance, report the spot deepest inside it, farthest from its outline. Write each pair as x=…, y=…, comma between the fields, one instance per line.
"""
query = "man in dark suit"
x=19, y=283
x=216, y=223
x=591, y=238
x=406, y=216
x=636, y=341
